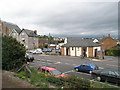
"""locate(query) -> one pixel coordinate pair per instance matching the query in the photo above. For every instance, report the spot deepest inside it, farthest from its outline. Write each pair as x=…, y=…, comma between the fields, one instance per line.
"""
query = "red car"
x=51, y=71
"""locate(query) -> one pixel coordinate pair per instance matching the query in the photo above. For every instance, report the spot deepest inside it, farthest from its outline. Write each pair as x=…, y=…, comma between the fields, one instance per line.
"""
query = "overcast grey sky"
x=63, y=17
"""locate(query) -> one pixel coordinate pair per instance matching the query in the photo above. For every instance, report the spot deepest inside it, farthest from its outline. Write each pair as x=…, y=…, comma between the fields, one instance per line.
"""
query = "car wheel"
x=76, y=69
x=90, y=72
x=98, y=78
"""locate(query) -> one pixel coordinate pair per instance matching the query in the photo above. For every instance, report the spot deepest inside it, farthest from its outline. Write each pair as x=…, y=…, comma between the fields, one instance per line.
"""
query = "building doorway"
x=95, y=52
x=84, y=49
x=67, y=51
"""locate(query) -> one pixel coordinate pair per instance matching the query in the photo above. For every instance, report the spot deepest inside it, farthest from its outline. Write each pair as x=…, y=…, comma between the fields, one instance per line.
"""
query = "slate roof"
x=30, y=33
x=43, y=40
x=79, y=42
x=12, y=26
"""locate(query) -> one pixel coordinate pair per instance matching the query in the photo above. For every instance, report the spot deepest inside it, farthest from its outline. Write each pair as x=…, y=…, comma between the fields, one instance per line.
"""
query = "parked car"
x=51, y=71
x=31, y=51
x=49, y=49
x=107, y=75
x=86, y=67
x=37, y=51
x=57, y=50
x=45, y=50
x=29, y=57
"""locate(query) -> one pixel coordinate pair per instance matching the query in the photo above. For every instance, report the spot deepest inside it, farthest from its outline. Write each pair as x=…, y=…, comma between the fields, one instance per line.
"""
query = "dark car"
x=57, y=50
x=45, y=50
x=86, y=67
x=49, y=49
x=29, y=57
x=107, y=75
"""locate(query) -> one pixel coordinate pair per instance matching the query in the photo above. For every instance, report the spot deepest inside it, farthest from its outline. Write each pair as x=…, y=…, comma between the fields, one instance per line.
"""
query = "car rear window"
x=56, y=72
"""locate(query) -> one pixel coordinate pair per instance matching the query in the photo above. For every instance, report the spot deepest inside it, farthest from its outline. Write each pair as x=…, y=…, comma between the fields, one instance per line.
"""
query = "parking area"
x=66, y=64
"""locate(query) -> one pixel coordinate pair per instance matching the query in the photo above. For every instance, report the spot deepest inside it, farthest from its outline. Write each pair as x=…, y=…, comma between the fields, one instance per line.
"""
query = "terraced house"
x=10, y=29
x=26, y=37
x=29, y=38
x=80, y=46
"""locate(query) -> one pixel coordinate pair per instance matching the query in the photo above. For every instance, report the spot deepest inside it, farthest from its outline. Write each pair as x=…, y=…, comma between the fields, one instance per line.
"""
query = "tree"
x=13, y=53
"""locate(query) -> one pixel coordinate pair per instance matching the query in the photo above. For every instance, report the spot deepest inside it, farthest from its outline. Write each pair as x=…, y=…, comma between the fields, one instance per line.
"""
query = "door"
x=95, y=52
x=67, y=51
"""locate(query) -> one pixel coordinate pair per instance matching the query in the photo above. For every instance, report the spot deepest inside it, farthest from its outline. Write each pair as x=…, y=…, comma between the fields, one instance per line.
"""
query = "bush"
x=13, y=54
x=113, y=52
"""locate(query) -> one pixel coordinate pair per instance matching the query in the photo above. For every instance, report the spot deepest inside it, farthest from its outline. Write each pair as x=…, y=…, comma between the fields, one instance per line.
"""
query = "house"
x=80, y=46
x=10, y=29
x=29, y=38
x=42, y=42
x=107, y=42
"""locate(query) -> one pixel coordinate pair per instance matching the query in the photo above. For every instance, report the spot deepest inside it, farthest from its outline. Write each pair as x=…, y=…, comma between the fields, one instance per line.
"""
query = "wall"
x=108, y=43
x=78, y=51
x=98, y=49
x=72, y=52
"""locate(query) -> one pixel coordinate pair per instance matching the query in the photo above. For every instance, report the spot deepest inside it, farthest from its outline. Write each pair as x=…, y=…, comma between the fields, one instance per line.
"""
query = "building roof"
x=80, y=42
x=43, y=40
x=12, y=26
x=30, y=33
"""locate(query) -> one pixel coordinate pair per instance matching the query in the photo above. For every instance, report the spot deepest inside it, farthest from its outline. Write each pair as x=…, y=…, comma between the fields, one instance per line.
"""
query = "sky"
x=63, y=18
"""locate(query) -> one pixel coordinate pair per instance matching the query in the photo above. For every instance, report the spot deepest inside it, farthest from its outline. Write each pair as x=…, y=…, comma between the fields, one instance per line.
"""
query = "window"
x=72, y=48
x=112, y=73
x=78, y=49
x=82, y=65
x=13, y=34
x=87, y=66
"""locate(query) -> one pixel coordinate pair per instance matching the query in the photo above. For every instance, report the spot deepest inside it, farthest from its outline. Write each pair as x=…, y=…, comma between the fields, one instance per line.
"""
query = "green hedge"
x=13, y=53
x=113, y=52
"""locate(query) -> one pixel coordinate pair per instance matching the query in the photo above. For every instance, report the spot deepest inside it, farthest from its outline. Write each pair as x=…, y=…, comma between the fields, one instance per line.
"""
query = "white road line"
x=74, y=64
x=113, y=65
x=57, y=62
x=69, y=71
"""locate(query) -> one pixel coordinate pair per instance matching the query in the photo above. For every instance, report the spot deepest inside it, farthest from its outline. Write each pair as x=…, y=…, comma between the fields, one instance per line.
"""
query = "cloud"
x=62, y=17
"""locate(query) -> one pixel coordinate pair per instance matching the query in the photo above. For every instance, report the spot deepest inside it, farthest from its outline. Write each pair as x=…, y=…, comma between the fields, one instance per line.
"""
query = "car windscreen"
x=56, y=72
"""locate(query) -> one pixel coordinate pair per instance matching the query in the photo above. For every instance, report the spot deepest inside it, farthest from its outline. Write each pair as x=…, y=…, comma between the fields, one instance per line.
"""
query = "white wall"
x=87, y=52
x=78, y=51
x=98, y=48
x=72, y=52
x=64, y=50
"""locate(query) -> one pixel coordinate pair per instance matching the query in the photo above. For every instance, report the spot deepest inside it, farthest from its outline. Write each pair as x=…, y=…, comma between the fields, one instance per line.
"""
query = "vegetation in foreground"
x=42, y=80
x=13, y=54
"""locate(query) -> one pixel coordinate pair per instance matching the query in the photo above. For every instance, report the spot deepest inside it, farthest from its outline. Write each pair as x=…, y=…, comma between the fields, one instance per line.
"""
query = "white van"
x=39, y=51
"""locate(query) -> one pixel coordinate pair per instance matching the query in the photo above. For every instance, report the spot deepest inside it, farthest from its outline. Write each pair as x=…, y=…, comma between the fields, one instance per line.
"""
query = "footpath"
x=9, y=81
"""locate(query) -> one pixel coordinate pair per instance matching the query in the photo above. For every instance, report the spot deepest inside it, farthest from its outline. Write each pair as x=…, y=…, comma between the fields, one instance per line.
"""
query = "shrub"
x=13, y=54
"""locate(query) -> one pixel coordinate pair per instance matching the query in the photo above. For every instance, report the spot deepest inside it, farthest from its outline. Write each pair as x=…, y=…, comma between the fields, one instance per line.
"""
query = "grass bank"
x=42, y=80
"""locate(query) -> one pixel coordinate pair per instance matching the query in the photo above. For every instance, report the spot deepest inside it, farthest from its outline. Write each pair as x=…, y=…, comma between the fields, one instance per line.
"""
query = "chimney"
x=35, y=31
x=108, y=35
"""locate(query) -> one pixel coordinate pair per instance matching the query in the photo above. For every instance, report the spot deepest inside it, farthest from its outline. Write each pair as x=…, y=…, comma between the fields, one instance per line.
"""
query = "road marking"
x=69, y=71
x=74, y=64
x=57, y=62
x=113, y=65
x=101, y=68
x=95, y=60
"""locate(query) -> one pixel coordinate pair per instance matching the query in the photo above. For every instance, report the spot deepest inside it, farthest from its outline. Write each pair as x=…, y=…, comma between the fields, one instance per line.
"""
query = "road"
x=66, y=64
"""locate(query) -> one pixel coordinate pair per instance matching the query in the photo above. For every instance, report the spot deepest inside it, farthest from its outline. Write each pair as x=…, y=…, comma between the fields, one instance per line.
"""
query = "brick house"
x=78, y=46
x=10, y=29
x=107, y=42
x=29, y=38
x=42, y=42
